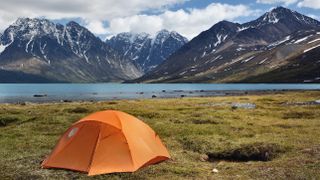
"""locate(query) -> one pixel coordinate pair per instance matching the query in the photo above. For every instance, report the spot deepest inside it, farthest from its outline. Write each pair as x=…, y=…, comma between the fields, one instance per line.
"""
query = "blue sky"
x=106, y=18
x=253, y=4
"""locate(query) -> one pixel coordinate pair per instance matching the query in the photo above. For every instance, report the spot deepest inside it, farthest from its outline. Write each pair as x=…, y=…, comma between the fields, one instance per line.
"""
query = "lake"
x=10, y=93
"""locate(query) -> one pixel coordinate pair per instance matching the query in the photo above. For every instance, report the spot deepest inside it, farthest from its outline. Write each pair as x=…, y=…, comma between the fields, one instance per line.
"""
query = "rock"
x=163, y=90
x=214, y=170
x=66, y=101
x=40, y=95
x=221, y=163
x=154, y=96
x=204, y=158
x=306, y=103
x=178, y=91
x=243, y=105
x=182, y=95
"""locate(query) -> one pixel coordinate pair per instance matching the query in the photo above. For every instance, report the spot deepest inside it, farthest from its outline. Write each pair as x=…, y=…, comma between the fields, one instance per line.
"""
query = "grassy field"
x=279, y=139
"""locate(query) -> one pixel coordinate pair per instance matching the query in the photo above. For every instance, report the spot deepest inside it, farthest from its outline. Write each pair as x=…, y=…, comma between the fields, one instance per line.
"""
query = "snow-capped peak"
x=35, y=36
x=35, y=23
x=145, y=50
x=281, y=13
x=130, y=37
x=164, y=34
x=275, y=15
x=271, y=17
x=27, y=28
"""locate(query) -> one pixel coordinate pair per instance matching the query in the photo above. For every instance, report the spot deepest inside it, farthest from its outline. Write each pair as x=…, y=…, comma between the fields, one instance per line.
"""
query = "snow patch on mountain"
x=248, y=59
x=307, y=50
x=302, y=39
x=220, y=39
x=280, y=42
x=240, y=49
x=203, y=54
x=264, y=60
x=315, y=40
x=271, y=17
x=243, y=28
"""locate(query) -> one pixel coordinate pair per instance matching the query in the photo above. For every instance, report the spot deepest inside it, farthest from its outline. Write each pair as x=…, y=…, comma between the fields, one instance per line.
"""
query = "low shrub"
x=204, y=121
x=298, y=115
x=78, y=110
x=112, y=102
x=149, y=115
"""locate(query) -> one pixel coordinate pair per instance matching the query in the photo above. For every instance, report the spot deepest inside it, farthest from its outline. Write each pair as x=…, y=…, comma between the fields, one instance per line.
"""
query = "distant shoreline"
x=44, y=98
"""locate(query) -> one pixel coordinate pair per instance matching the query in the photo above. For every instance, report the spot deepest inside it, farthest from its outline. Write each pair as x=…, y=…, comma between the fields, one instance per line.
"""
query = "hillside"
x=232, y=52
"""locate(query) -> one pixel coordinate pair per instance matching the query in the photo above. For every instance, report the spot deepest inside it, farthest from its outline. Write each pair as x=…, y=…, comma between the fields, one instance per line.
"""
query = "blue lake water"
x=107, y=91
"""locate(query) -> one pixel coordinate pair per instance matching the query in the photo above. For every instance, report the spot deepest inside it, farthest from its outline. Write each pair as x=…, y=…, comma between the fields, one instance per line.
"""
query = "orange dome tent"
x=107, y=142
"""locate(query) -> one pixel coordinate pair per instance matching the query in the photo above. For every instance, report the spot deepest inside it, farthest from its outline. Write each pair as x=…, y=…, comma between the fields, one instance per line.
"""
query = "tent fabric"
x=107, y=142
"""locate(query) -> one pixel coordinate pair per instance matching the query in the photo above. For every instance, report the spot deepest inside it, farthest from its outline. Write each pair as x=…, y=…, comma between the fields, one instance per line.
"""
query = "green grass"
x=273, y=141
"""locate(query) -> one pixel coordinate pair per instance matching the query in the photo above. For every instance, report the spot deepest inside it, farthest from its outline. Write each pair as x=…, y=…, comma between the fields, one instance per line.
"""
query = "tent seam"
x=95, y=148
x=93, y=120
x=125, y=139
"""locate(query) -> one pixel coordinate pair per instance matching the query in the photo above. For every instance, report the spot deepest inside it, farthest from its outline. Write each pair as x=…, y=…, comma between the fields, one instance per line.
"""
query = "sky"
x=106, y=18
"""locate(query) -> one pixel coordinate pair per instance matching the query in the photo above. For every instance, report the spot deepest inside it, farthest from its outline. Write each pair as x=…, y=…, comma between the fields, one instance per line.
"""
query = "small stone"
x=221, y=163
x=215, y=170
x=204, y=157
x=40, y=95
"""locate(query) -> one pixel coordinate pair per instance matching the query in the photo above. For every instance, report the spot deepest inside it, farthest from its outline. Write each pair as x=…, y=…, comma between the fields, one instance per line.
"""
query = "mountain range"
x=280, y=46
x=145, y=51
x=38, y=50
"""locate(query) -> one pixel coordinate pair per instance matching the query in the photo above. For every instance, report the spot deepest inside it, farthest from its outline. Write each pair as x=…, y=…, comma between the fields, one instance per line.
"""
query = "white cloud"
x=93, y=12
x=136, y=24
x=108, y=17
x=286, y=2
x=96, y=27
x=187, y=22
x=315, y=4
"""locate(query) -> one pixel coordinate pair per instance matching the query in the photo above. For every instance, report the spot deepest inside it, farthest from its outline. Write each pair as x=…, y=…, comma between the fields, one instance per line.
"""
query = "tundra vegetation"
x=207, y=137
